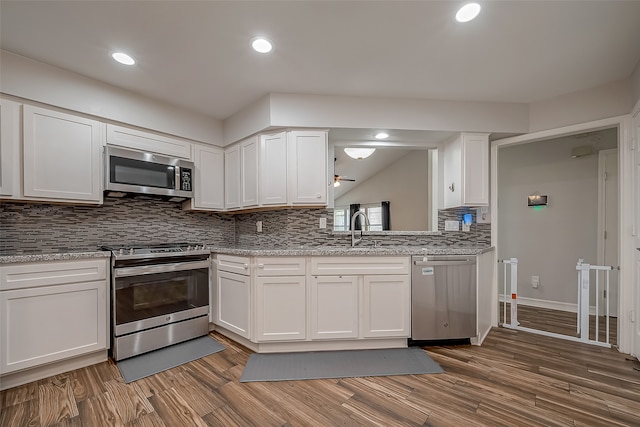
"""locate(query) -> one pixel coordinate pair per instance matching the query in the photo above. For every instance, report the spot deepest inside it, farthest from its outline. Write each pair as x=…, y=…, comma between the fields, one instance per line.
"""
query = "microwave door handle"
x=156, y=269
x=178, y=183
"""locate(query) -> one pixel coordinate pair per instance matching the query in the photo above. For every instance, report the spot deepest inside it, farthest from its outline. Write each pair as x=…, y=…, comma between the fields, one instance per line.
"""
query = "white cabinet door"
x=386, y=306
x=249, y=170
x=148, y=142
x=475, y=169
x=209, y=178
x=9, y=146
x=232, y=177
x=307, y=167
x=46, y=324
x=233, y=303
x=280, y=308
x=61, y=156
x=466, y=170
x=334, y=307
x=273, y=169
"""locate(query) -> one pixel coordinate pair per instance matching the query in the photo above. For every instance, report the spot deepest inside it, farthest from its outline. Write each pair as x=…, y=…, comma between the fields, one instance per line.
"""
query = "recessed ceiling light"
x=381, y=135
x=123, y=58
x=261, y=45
x=468, y=12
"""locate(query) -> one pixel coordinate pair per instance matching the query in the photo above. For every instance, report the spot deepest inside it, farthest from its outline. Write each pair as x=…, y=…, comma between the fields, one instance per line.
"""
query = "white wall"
x=610, y=100
x=36, y=81
x=549, y=241
x=405, y=184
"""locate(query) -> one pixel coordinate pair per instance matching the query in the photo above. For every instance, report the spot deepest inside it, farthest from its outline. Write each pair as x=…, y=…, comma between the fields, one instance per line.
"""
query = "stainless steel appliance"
x=128, y=171
x=159, y=296
x=443, y=297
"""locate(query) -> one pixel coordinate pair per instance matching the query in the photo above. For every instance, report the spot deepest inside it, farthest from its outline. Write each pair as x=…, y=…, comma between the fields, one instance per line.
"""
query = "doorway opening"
x=575, y=179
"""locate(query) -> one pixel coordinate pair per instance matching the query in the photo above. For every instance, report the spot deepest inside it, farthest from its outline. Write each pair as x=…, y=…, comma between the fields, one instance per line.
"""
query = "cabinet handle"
x=260, y=265
x=452, y=187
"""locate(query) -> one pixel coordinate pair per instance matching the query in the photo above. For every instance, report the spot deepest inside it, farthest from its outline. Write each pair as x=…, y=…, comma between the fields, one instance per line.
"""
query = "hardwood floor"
x=515, y=378
x=562, y=322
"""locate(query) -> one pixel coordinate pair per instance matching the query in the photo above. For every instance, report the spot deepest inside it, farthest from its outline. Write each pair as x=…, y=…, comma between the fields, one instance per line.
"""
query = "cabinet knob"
x=318, y=195
x=245, y=266
x=452, y=187
x=260, y=265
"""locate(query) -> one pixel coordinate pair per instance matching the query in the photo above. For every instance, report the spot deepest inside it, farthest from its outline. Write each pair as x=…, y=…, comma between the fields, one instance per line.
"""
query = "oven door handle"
x=162, y=268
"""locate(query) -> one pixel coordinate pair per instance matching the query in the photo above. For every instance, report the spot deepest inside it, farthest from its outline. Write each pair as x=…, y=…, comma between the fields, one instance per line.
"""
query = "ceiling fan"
x=338, y=178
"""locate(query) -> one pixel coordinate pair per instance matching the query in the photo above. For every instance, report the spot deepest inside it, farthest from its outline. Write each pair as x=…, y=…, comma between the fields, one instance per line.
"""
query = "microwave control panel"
x=185, y=179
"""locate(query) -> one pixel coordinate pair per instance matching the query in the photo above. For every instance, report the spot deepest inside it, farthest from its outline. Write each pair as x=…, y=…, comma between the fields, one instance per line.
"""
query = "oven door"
x=154, y=295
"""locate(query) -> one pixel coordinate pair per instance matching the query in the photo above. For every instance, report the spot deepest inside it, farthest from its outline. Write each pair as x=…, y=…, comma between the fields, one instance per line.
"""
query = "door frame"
x=602, y=220
x=626, y=199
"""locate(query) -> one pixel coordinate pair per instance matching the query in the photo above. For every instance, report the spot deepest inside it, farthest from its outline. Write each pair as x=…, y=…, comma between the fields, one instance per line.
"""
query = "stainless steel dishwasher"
x=443, y=297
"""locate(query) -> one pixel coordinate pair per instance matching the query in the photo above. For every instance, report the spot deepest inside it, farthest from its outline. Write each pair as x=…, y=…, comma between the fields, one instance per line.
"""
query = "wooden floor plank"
x=515, y=378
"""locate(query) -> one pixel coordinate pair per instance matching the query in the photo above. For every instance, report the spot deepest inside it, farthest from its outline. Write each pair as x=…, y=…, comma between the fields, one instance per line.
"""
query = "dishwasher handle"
x=436, y=262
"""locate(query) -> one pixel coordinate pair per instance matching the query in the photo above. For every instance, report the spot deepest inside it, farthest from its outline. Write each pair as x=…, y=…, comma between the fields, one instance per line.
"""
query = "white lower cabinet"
x=280, y=308
x=334, y=307
x=233, y=304
x=386, y=306
x=52, y=311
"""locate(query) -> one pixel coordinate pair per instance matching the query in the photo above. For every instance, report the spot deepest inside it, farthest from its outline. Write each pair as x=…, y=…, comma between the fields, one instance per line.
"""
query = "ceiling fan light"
x=336, y=183
x=359, y=153
x=468, y=12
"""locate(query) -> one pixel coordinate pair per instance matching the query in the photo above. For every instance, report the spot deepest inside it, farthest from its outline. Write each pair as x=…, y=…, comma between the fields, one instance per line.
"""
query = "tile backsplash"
x=30, y=227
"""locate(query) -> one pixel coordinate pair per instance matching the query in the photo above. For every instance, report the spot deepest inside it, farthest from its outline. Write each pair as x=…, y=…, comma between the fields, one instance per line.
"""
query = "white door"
x=307, y=167
x=608, y=227
x=386, y=306
x=249, y=168
x=9, y=144
x=62, y=156
x=636, y=307
x=233, y=303
x=334, y=307
x=232, y=177
x=273, y=169
x=280, y=308
x=209, y=178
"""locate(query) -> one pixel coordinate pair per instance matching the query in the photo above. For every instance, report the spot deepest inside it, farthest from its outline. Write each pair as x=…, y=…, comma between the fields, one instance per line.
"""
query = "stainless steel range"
x=159, y=296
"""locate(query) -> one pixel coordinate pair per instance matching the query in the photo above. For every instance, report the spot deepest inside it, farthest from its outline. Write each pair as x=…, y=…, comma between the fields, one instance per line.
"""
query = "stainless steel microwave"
x=129, y=171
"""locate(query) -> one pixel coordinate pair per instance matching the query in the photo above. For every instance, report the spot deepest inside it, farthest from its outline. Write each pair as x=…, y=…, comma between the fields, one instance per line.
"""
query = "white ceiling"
x=196, y=55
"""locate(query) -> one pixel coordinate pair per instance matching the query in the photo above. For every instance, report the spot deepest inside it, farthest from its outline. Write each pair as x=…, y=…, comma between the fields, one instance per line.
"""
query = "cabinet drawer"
x=29, y=275
x=359, y=265
x=280, y=266
x=233, y=264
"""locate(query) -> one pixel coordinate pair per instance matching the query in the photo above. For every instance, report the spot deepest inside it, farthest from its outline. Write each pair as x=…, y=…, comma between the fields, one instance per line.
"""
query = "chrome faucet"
x=355, y=241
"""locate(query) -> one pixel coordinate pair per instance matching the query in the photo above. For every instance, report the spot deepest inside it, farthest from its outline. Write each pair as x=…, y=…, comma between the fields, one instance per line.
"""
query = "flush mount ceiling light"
x=468, y=12
x=261, y=45
x=123, y=58
x=381, y=135
x=359, y=153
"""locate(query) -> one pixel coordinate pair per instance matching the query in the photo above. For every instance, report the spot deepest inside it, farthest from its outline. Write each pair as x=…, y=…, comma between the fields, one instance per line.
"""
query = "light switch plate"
x=259, y=226
x=323, y=222
x=452, y=226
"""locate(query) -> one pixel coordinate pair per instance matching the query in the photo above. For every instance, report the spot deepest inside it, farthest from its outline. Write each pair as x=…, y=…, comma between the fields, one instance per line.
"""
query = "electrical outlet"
x=323, y=222
x=535, y=281
x=483, y=216
x=259, y=226
x=452, y=226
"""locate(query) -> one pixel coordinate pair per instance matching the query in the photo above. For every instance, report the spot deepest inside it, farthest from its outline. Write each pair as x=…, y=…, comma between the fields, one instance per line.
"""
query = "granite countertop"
x=257, y=251
x=347, y=250
x=51, y=256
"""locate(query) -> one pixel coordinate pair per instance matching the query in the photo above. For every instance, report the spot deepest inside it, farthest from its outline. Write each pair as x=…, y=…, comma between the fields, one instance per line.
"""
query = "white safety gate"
x=584, y=285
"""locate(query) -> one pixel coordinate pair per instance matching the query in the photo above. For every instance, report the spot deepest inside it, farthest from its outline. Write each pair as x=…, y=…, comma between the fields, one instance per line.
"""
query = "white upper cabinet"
x=62, y=156
x=283, y=169
x=9, y=146
x=148, y=142
x=466, y=170
x=273, y=169
x=307, y=167
x=232, y=177
x=209, y=179
x=249, y=172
